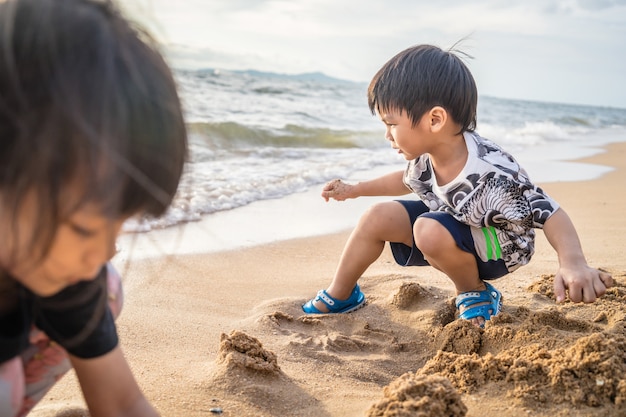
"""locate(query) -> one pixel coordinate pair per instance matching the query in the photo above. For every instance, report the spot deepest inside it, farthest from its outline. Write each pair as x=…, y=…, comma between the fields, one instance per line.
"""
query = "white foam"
x=297, y=215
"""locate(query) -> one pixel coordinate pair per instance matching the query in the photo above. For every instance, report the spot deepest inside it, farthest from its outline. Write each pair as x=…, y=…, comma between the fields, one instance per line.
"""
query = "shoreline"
x=306, y=214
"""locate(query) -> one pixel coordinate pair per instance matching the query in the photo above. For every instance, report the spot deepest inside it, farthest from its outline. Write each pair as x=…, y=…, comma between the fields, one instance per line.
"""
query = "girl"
x=91, y=133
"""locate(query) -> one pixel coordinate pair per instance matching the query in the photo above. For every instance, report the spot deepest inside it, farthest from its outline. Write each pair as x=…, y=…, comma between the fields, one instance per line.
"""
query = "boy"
x=477, y=208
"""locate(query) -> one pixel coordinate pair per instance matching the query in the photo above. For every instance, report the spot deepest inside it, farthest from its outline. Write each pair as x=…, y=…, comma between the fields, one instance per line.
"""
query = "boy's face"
x=81, y=246
x=410, y=141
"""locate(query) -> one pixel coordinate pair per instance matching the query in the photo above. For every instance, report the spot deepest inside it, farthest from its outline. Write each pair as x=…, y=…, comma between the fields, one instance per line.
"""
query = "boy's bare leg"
x=383, y=222
x=441, y=251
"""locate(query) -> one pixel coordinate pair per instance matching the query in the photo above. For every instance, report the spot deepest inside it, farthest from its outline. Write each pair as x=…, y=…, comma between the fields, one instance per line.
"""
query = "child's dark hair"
x=421, y=77
x=86, y=100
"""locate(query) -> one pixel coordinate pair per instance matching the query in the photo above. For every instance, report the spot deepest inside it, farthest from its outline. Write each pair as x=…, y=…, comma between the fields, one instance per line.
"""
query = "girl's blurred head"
x=90, y=125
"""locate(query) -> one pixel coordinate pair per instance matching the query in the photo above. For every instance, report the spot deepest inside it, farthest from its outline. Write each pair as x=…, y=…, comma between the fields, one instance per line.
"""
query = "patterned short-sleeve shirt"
x=492, y=192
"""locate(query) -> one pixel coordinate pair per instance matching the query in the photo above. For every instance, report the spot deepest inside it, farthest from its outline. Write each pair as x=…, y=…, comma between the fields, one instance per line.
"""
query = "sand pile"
x=419, y=396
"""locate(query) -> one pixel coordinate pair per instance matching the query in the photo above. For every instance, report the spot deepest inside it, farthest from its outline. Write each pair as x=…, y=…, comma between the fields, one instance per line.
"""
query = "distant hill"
x=307, y=76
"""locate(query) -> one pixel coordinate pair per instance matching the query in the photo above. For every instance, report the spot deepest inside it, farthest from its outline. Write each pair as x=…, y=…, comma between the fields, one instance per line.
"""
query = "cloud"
x=518, y=46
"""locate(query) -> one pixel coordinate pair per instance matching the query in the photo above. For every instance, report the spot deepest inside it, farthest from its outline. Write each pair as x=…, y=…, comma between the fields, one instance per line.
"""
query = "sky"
x=566, y=51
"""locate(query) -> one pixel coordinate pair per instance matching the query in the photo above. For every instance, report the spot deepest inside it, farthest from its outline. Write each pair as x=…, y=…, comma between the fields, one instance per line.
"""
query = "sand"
x=223, y=334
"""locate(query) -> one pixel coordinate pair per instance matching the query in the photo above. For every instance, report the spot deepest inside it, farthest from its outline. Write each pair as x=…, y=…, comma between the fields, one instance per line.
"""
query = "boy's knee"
x=375, y=210
x=371, y=217
x=430, y=236
x=383, y=217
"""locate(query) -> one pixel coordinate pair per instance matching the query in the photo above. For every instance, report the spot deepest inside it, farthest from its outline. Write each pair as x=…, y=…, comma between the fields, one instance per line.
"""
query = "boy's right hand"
x=337, y=190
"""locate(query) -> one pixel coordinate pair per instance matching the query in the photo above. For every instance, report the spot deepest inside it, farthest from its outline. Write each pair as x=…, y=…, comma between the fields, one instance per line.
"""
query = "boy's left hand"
x=582, y=284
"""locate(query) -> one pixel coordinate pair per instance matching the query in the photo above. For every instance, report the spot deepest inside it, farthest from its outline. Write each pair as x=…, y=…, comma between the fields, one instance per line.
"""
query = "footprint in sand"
x=332, y=333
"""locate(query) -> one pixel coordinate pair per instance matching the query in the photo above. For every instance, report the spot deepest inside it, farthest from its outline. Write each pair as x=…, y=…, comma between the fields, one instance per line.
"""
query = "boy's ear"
x=438, y=116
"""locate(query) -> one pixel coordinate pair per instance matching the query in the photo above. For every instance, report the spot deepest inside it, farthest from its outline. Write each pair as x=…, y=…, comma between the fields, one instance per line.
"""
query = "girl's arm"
x=109, y=387
x=387, y=185
x=583, y=282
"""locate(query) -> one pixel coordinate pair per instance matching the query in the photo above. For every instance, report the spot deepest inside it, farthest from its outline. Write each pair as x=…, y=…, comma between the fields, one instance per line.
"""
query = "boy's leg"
x=45, y=362
x=381, y=223
x=448, y=246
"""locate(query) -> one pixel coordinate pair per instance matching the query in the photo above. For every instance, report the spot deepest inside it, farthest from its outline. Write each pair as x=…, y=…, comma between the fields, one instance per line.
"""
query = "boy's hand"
x=337, y=190
x=583, y=284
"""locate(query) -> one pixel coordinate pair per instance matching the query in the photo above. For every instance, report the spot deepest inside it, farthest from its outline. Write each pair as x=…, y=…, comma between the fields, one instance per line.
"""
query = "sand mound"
x=459, y=337
x=547, y=357
x=408, y=295
x=414, y=395
x=591, y=372
x=249, y=382
x=238, y=350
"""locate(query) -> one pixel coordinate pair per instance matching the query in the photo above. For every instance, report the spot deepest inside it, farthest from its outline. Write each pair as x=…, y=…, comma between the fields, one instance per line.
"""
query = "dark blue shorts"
x=411, y=256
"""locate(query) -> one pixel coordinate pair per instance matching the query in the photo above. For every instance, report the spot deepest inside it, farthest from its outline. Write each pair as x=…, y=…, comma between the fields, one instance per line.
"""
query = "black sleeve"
x=78, y=318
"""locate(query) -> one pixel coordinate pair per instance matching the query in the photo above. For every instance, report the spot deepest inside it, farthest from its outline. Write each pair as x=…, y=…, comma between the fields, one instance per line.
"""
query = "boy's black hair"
x=86, y=100
x=421, y=77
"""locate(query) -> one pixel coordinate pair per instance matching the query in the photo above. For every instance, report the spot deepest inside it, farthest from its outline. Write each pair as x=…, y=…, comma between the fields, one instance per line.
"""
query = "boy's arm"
x=387, y=185
x=582, y=282
x=109, y=387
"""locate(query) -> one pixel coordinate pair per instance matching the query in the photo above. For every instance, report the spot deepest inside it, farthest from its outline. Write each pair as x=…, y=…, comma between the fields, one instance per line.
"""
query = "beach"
x=211, y=330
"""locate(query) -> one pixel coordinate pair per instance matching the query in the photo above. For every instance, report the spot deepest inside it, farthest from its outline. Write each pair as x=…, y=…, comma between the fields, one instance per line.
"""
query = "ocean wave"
x=232, y=135
x=530, y=134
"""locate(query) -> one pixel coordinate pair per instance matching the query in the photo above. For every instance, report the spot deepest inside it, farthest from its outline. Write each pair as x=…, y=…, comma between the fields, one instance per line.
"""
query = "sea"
x=276, y=138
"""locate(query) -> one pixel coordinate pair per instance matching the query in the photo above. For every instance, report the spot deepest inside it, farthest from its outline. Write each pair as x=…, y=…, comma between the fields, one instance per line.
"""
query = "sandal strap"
x=354, y=302
x=326, y=298
x=485, y=311
x=469, y=300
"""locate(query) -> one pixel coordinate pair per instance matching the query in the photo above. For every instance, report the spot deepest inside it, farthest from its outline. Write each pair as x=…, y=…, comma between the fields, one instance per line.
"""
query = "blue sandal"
x=354, y=302
x=469, y=300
